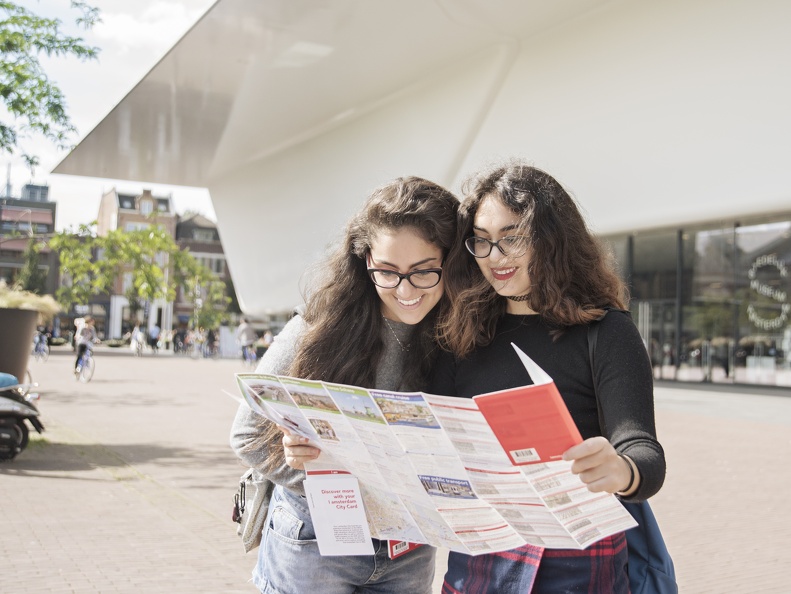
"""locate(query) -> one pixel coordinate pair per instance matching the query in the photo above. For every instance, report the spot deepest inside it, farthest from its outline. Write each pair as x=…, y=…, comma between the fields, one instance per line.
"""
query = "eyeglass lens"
x=512, y=245
x=420, y=279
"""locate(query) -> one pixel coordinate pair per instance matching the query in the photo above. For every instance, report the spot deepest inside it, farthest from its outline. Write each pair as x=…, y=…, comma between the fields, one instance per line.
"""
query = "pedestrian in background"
x=137, y=340
x=245, y=336
x=153, y=338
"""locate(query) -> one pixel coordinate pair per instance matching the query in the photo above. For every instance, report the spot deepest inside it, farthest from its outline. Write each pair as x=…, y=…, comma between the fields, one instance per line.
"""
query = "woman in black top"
x=527, y=270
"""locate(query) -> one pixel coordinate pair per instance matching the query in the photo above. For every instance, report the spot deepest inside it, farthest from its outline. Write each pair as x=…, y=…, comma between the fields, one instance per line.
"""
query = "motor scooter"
x=17, y=405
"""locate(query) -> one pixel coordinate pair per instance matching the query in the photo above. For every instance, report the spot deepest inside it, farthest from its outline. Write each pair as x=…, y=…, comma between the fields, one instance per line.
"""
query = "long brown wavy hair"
x=572, y=276
x=343, y=311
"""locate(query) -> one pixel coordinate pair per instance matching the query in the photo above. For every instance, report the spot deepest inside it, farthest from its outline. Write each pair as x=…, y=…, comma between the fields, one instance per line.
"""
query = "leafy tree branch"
x=33, y=103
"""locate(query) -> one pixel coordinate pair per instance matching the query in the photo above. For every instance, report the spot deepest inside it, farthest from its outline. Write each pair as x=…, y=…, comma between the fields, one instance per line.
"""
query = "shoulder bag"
x=250, y=507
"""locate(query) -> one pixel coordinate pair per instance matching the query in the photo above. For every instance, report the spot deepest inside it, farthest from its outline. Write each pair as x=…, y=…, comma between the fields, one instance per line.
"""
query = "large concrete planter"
x=17, y=327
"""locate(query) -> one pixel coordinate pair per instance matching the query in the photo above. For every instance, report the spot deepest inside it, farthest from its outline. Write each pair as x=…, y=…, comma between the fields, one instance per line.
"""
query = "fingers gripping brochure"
x=474, y=475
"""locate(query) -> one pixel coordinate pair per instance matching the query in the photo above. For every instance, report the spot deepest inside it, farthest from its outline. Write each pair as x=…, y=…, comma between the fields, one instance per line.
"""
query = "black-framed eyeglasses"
x=511, y=245
x=420, y=279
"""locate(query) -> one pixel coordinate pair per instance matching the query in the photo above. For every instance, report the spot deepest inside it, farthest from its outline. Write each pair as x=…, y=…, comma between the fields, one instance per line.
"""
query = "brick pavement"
x=723, y=508
x=129, y=489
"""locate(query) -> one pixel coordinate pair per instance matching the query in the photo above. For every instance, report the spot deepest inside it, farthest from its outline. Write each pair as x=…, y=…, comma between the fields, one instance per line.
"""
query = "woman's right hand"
x=296, y=450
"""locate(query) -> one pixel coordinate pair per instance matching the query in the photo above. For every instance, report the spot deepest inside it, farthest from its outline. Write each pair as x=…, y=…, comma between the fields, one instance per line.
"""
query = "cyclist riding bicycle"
x=86, y=336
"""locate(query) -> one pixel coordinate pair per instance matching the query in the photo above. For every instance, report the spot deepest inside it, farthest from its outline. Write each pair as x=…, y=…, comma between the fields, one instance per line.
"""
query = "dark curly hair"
x=343, y=311
x=572, y=276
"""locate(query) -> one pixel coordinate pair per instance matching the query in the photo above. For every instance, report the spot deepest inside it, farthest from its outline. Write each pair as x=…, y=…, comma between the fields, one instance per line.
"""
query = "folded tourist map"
x=471, y=475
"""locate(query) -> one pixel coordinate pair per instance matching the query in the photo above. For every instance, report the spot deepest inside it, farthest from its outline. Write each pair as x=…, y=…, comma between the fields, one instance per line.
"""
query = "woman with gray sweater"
x=370, y=322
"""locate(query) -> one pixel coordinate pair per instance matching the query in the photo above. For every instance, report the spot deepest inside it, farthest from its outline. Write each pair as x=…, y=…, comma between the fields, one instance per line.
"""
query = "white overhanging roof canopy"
x=651, y=114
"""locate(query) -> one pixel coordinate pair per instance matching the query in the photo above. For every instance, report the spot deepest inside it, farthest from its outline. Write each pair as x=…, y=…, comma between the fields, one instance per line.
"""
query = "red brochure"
x=531, y=423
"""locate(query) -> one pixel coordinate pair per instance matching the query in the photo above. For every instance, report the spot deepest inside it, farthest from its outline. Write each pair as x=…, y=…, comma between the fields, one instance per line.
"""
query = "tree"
x=156, y=267
x=31, y=277
x=206, y=291
x=33, y=102
x=81, y=276
x=31, y=161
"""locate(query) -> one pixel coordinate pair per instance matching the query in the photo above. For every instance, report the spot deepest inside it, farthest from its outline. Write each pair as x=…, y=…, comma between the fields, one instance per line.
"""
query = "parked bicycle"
x=40, y=347
x=85, y=366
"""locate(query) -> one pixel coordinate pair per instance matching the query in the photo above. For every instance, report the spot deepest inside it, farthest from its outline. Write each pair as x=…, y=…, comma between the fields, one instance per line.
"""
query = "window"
x=146, y=207
x=654, y=266
x=214, y=263
x=203, y=234
x=713, y=303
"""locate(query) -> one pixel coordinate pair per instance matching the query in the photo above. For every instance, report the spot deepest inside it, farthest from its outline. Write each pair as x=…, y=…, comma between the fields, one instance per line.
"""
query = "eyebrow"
x=506, y=228
x=415, y=265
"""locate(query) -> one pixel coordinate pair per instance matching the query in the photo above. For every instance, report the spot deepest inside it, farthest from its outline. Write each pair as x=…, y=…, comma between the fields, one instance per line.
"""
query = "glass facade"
x=713, y=302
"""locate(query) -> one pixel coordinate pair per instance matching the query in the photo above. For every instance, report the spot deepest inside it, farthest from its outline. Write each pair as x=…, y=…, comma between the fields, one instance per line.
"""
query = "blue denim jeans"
x=289, y=561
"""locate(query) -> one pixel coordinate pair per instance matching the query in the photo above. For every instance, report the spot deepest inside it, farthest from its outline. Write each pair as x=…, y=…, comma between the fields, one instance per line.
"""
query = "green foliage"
x=31, y=161
x=212, y=306
x=204, y=289
x=34, y=103
x=31, y=277
x=90, y=265
x=81, y=277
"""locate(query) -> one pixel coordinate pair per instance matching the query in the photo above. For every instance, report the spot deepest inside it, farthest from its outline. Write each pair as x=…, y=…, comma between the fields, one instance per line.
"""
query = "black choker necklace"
x=518, y=297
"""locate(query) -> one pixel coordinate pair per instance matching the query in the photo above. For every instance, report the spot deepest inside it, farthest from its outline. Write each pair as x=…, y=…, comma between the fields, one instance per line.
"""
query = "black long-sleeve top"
x=624, y=382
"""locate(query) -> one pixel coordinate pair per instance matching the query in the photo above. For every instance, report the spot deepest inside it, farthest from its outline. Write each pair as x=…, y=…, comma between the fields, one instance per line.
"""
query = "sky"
x=132, y=37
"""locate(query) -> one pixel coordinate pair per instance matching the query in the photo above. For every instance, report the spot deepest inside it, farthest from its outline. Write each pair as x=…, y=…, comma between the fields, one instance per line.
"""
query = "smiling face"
x=404, y=250
x=507, y=274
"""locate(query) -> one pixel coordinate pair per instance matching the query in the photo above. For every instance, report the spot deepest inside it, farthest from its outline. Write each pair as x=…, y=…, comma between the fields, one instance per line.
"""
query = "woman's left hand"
x=600, y=467
x=296, y=449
